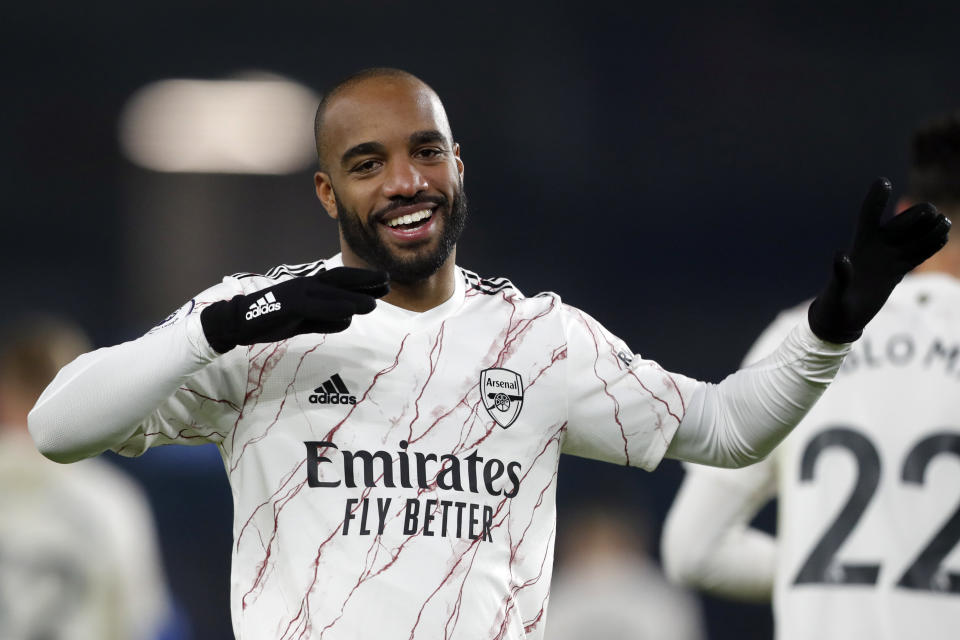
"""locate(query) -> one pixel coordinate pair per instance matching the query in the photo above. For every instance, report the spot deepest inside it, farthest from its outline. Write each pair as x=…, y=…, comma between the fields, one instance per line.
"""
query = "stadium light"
x=260, y=124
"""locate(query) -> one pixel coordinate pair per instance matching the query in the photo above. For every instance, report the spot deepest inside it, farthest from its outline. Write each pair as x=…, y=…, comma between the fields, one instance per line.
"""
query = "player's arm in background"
x=183, y=380
x=707, y=540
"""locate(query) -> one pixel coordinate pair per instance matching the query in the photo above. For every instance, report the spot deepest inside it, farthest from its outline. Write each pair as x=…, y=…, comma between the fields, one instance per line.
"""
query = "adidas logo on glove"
x=263, y=305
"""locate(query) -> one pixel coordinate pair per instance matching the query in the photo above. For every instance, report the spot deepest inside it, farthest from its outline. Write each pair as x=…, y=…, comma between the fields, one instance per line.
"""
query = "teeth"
x=410, y=218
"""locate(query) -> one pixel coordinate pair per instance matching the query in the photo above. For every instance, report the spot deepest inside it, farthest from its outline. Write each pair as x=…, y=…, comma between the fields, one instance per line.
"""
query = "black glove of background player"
x=321, y=303
x=878, y=258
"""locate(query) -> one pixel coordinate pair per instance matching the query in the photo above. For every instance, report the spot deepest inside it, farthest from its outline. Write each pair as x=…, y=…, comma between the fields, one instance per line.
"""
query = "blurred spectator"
x=78, y=555
x=608, y=588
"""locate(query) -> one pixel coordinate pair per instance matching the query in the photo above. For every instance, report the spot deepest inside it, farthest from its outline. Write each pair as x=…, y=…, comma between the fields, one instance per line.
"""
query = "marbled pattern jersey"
x=397, y=480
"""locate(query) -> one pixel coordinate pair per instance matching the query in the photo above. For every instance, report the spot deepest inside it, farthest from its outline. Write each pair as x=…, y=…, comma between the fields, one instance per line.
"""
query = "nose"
x=403, y=179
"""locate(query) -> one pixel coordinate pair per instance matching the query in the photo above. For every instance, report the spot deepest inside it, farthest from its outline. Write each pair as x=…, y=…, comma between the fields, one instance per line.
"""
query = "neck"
x=422, y=295
x=947, y=261
x=425, y=294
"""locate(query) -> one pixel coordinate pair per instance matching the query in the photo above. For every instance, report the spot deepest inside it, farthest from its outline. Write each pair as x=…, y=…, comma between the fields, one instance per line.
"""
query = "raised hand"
x=878, y=258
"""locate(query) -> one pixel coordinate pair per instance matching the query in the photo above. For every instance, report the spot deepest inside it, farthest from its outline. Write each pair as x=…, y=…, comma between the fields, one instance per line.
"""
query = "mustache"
x=399, y=201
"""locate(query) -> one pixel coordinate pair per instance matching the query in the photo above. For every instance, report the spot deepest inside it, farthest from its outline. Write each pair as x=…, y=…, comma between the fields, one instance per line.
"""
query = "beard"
x=364, y=240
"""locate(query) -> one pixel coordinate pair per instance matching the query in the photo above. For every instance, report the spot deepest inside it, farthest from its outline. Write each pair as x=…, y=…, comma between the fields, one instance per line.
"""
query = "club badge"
x=502, y=392
x=176, y=316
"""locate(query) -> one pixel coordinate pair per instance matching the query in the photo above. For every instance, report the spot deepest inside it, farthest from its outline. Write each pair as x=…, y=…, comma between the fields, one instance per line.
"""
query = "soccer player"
x=78, y=553
x=868, y=485
x=393, y=463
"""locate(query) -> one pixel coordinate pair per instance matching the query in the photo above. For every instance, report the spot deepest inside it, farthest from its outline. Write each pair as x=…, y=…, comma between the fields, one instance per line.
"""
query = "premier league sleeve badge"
x=502, y=391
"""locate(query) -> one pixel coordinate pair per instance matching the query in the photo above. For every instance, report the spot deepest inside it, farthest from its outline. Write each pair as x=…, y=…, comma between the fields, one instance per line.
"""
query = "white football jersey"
x=397, y=480
x=869, y=482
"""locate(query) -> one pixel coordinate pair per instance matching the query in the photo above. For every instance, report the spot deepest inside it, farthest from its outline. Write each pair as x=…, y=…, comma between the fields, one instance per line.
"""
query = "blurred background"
x=681, y=171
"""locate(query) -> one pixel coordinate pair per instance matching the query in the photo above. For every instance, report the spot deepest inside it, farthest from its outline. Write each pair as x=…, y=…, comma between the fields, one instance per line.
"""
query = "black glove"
x=878, y=258
x=321, y=303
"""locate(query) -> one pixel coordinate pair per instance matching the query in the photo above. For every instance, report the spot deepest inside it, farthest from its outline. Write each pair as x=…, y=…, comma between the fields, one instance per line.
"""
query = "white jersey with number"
x=397, y=480
x=869, y=482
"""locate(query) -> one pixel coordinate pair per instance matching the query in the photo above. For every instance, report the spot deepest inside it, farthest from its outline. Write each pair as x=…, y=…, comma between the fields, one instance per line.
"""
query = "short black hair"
x=346, y=83
x=935, y=161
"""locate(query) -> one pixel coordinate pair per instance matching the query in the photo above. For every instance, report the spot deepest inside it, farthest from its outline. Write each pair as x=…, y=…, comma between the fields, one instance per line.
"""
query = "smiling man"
x=402, y=217
x=393, y=463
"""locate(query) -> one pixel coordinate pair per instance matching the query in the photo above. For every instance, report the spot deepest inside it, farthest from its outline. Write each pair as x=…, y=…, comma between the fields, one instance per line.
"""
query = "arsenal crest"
x=502, y=392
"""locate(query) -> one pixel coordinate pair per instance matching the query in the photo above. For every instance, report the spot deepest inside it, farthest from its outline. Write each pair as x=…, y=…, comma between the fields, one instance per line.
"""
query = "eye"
x=429, y=153
x=366, y=166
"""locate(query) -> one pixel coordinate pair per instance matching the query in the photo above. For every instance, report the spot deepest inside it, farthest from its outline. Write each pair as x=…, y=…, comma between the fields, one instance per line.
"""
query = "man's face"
x=393, y=178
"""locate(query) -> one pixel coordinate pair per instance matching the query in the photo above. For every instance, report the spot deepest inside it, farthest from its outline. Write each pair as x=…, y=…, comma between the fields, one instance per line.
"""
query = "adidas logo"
x=266, y=304
x=333, y=391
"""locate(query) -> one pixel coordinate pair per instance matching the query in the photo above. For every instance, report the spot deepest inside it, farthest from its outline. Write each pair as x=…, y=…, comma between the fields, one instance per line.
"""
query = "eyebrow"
x=427, y=136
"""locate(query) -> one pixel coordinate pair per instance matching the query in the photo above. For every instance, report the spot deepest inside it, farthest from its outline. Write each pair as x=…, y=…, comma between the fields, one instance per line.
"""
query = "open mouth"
x=411, y=220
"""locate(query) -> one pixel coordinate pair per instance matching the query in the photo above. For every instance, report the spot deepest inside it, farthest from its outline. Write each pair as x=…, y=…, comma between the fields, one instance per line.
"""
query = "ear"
x=324, y=188
x=457, y=159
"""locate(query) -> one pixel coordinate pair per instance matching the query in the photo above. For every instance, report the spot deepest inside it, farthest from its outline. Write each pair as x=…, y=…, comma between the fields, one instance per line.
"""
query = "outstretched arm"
x=97, y=401
x=100, y=400
x=740, y=420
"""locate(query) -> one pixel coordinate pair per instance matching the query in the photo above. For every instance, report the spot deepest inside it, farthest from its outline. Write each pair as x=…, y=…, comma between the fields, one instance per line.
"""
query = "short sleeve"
x=208, y=403
x=620, y=407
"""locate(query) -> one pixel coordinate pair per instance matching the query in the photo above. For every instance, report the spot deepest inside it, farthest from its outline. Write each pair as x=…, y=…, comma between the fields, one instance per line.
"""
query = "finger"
x=916, y=220
x=842, y=268
x=874, y=204
x=361, y=302
x=326, y=309
x=374, y=283
x=358, y=302
x=379, y=290
x=929, y=243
